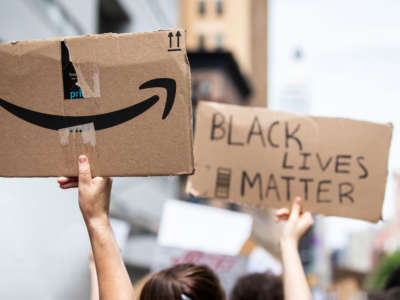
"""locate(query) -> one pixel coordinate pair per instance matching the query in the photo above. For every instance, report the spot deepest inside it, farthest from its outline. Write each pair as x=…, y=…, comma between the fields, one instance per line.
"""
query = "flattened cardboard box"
x=124, y=100
x=264, y=158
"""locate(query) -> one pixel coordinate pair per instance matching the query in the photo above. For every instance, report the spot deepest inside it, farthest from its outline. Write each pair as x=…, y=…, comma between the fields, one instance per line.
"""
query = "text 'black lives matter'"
x=70, y=78
x=171, y=41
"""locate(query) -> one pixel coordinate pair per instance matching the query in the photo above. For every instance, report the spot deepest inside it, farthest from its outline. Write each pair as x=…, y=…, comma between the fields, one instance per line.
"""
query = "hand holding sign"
x=298, y=224
x=94, y=193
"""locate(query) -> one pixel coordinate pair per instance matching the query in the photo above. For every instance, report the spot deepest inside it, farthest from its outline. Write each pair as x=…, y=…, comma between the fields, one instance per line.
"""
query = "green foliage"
x=377, y=280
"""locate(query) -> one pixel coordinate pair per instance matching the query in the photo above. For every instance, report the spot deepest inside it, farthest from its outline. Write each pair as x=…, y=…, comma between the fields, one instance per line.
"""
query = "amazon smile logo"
x=101, y=121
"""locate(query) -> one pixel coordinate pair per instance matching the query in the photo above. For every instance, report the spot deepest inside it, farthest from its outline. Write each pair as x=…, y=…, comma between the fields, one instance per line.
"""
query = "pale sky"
x=352, y=54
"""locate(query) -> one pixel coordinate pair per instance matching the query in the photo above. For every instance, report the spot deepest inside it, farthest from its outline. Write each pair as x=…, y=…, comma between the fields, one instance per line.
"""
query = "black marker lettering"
x=218, y=125
x=320, y=190
x=230, y=134
x=323, y=168
x=270, y=134
x=304, y=165
x=342, y=160
x=306, y=181
x=272, y=186
x=292, y=136
x=252, y=183
x=287, y=179
x=365, y=170
x=284, y=163
x=347, y=193
x=256, y=130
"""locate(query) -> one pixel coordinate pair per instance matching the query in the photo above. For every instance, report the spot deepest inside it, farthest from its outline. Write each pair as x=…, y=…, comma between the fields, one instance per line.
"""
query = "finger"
x=278, y=219
x=282, y=211
x=296, y=209
x=84, y=170
x=281, y=215
x=69, y=185
x=63, y=180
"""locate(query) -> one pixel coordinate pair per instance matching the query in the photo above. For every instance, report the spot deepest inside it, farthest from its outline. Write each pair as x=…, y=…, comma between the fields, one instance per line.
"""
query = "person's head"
x=258, y=286
x=183, y=282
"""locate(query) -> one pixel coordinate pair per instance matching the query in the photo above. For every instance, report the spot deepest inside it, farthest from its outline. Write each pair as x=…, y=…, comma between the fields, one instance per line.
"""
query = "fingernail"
x=82, y=158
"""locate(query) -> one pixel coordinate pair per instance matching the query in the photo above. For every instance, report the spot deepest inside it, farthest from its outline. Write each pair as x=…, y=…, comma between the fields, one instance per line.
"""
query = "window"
x=220, y=7
x=201, y=90
x=204, y=90
x=202, y=42
x=202, y=7
x=219, y=41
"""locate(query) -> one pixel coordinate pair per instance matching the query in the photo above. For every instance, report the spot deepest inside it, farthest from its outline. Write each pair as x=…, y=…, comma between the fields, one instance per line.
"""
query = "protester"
x=182, y=282
x=295, y=284
x=258, y=286
x=94, y=202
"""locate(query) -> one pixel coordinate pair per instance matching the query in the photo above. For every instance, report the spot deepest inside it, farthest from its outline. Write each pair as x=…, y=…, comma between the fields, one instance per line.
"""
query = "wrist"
x=99, y=222
x=288, y=242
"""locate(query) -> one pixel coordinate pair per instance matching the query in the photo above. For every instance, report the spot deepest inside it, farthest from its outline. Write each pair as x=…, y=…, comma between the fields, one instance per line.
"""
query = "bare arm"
x=94, y=284
x=94, y=202
x=294, y=279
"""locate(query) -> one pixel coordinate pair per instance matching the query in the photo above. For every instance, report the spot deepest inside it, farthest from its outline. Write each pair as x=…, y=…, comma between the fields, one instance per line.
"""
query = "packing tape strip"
x=86, y=131
x=77, y=140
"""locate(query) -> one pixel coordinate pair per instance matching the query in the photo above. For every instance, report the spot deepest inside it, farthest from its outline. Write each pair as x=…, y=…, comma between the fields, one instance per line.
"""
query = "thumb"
x=84, y=170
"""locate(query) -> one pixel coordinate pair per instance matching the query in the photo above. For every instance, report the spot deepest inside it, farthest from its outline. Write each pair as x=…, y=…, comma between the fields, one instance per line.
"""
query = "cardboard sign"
x=124, y=100
x=265, y=158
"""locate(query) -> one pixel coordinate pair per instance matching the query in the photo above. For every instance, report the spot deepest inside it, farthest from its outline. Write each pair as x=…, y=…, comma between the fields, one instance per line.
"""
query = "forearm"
x=94, y=285
x=294, y=279
x=113, y=279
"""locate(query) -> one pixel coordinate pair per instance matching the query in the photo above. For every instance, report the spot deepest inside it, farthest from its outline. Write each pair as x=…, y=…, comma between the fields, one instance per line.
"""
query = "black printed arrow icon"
x=178, y=35
x=170, y=35
x=102, y=121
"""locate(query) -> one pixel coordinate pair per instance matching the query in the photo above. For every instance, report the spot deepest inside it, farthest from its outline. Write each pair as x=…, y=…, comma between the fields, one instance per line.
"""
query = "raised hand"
x=295, y=284
x=94, y=193
x=94, y=201
x=298, y=222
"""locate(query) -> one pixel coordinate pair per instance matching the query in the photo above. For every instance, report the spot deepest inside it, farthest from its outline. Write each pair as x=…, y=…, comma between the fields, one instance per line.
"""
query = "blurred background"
x=328, y=58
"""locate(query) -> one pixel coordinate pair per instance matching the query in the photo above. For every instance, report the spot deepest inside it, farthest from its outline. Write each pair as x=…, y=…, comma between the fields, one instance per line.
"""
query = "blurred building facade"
x=216, y=77
x=239, y=27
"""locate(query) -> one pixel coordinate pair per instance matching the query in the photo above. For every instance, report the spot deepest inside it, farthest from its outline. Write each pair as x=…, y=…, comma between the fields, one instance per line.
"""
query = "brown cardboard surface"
x=136, y=105
x=264, y=158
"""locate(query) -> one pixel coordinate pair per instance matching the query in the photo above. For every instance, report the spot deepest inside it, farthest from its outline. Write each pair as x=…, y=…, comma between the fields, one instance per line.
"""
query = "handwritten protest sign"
x=264, y=158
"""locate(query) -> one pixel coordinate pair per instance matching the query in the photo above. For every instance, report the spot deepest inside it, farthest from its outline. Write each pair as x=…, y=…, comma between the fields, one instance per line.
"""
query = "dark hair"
x=258, y=286
x=393, y=280
x=185, y=281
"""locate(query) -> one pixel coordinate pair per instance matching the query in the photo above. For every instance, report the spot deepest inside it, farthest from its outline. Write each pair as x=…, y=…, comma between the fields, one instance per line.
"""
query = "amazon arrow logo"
x=102, y=121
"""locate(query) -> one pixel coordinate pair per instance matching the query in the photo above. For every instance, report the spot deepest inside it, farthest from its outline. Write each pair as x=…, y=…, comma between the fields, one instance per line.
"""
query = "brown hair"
x=258, y=286
x=185, y=281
